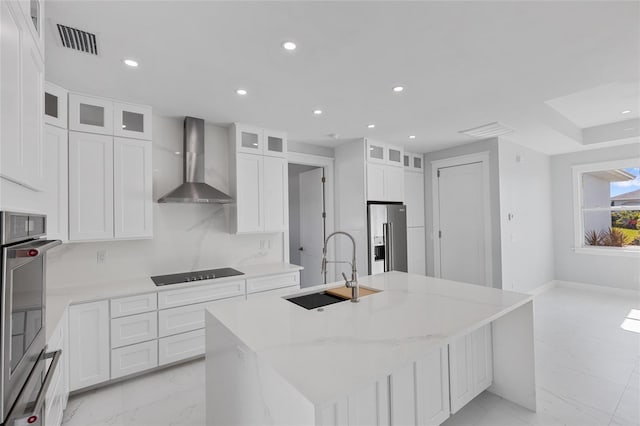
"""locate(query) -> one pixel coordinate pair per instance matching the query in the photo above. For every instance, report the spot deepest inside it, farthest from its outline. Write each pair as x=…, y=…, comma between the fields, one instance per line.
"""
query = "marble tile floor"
x=587, y=369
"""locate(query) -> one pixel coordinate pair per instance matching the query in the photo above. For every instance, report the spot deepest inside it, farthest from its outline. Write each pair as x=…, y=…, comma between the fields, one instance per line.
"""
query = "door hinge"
x=324, y=215
x=324, y=179
x=438, y=172
x=439, y=234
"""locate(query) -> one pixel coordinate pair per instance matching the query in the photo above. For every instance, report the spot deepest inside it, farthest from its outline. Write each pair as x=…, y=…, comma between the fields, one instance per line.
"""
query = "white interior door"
x=311, y=227
x=461, y=203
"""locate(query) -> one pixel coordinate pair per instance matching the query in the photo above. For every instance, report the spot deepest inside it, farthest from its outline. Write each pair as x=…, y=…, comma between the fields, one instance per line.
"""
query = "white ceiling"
x=464, y=64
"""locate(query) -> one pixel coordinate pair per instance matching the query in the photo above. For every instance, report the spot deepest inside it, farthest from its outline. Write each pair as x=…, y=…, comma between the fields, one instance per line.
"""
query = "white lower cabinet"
x=273, y=282
x=88, y=344
x=134, y=329
x=470, y=366
x=181, y=346
x=134, y=359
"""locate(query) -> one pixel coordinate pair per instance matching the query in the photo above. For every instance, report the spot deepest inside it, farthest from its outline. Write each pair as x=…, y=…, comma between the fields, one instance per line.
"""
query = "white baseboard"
x=541, y=289
x=596, y=288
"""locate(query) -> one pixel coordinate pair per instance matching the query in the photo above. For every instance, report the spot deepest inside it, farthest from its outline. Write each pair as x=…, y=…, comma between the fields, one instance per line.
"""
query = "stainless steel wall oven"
x=24, y=376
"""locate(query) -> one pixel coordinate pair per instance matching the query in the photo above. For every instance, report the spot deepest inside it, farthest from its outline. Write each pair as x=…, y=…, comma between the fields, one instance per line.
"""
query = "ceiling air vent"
x=487, y=131
x=76, y=39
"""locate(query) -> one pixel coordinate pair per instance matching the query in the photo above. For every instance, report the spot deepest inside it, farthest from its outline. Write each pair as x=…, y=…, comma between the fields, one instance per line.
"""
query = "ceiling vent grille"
x=76, y=39
x=487, y=131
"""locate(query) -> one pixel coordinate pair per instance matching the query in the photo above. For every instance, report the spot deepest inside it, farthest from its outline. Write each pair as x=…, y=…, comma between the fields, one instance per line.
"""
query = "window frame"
x=578, y=210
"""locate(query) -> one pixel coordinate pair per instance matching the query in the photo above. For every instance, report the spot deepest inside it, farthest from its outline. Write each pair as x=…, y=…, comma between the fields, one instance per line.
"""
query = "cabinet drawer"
x=134, y=305
x=280, y=292
x=181, y=346
x=134, y=329
x=184, y=318
x=134, y=358
x=187, y=296
x=255, y=285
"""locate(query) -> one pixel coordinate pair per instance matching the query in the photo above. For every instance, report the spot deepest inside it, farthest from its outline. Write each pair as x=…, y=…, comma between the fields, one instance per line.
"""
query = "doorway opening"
x=307, y=221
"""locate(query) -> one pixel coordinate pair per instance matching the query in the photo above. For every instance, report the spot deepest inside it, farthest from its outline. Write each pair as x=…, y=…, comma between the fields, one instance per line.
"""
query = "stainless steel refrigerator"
x=387, y=237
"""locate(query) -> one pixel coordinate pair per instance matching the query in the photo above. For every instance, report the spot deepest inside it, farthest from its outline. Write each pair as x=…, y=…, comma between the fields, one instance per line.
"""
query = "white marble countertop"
x=58, y=298
x=327, y=354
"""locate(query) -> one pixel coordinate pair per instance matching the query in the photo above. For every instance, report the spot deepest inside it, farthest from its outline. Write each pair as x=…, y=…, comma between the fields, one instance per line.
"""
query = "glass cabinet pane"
x=249, y=140
x=275, y=144
x=133, y=121
x=417, y=162
x=92, y=115
x=376, y=152
x=51, y=105
x=406, y=161
x=394, y=155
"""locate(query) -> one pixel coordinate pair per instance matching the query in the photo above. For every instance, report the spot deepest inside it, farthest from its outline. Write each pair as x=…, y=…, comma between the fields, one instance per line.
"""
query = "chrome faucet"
x=349, y=283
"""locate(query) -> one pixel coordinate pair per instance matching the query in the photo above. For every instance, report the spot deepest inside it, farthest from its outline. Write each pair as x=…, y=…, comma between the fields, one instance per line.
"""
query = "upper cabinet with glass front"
x=131, y=121
x=394, y=155
x=254, y=140
x=55, y=105
x=413, y=162
x=33, y=11
x=90, y=114
x=383, y=153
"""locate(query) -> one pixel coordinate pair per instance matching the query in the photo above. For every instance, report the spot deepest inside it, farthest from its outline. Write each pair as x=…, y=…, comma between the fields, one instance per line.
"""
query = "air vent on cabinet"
x=487, y=131
x=76, y=39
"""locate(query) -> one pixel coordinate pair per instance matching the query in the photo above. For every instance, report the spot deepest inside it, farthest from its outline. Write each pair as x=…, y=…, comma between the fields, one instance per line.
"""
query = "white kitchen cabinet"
x=134, y=329
x=376, y=151
x=132, y=189
x=368, y=406
x=55, y=187
x=134, y=359
x=89, y=349
x=90, y=114
x=394, y=155
x=22, y=81
x=272, y=282
x=55, y=105
x=414, y=198
x=131, y=305
x=275, y=195
x=203, y=293
x=275, y=143
x=181, y=319
x=58, y=392
x=34, y=17
x=248, y=139
x=416, y=255
x=470, y=366
x=384, y=183
x=131, y=121
x=180, y=346
x=90, y=187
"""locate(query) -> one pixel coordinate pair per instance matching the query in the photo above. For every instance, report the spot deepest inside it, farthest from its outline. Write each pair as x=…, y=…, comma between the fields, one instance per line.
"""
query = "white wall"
x=610, y=271
x=186, y=236
x=526, y=235
x=490, y=146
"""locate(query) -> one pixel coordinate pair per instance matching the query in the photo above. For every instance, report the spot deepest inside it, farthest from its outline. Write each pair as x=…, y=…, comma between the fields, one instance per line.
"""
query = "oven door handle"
x=32, y=248
x=55, y=355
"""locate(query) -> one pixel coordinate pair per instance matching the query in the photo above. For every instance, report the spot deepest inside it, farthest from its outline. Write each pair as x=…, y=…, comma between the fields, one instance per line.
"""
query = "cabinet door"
x=375, y=182
x=414, y=198
x=88, y=344
x=134, y=329
x=249, y=193
x=10, y=75
x=34, y=17
x=132, y=121
x=417, y=163
x=275, y=143
x=394, y=155
x=90, y=114
x=90, y=187
x=132, y=196
x=393, y=183
x=416, y=251
x=133, y=359
x=32, y=113
x=432, y=387
x=55, y=189
x=482, y=358
x=55, y=105
x=248, y=139
x=376, y=152
x=275, y=197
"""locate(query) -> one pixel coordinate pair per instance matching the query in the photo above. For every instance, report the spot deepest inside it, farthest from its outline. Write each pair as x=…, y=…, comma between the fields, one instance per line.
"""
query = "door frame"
x=327, y=164
x=483, y=158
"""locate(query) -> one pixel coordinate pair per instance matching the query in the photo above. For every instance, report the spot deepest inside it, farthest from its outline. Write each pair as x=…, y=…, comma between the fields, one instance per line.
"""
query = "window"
x=607, y=207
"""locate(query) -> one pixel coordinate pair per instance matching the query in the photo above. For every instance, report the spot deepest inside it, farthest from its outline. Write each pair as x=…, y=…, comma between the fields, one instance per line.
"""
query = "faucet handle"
x=345, y=279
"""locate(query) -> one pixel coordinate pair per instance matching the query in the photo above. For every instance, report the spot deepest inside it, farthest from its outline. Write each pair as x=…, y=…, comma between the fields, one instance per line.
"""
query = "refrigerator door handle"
x=387, y=230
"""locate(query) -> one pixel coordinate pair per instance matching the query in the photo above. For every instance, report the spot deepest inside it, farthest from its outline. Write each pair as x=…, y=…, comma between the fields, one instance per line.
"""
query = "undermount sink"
x=328, y=297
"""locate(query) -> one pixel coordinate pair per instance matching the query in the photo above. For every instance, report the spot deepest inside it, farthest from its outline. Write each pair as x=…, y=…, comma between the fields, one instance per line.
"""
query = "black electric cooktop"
x=187, y=277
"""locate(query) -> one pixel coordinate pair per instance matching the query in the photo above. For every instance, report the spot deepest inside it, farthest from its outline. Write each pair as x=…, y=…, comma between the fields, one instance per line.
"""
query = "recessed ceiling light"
x=131, y=63
x=626, y=111
x=317, y=112
x=177, y=153
x=371, y=126
x=241, y=92
x=412, y=137
x=124, y=126
x=398, y=89
x=289, y=45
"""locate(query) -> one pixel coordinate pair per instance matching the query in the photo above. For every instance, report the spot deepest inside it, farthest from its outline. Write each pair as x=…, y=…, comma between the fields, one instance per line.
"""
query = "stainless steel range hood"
x=194, y=190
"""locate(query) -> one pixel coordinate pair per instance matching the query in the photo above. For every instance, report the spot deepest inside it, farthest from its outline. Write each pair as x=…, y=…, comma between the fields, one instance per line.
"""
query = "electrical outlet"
x=101, y=256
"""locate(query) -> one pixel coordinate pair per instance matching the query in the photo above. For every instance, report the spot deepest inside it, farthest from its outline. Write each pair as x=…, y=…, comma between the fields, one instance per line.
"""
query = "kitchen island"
x=413, y=353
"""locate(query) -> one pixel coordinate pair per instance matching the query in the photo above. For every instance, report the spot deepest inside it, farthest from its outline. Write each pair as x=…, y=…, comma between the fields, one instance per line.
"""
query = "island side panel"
x=241, y=389
x=514, y=375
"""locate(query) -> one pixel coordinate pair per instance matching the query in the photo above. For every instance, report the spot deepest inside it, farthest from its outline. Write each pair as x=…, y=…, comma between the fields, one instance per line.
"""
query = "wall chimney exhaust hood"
x=194, y=190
